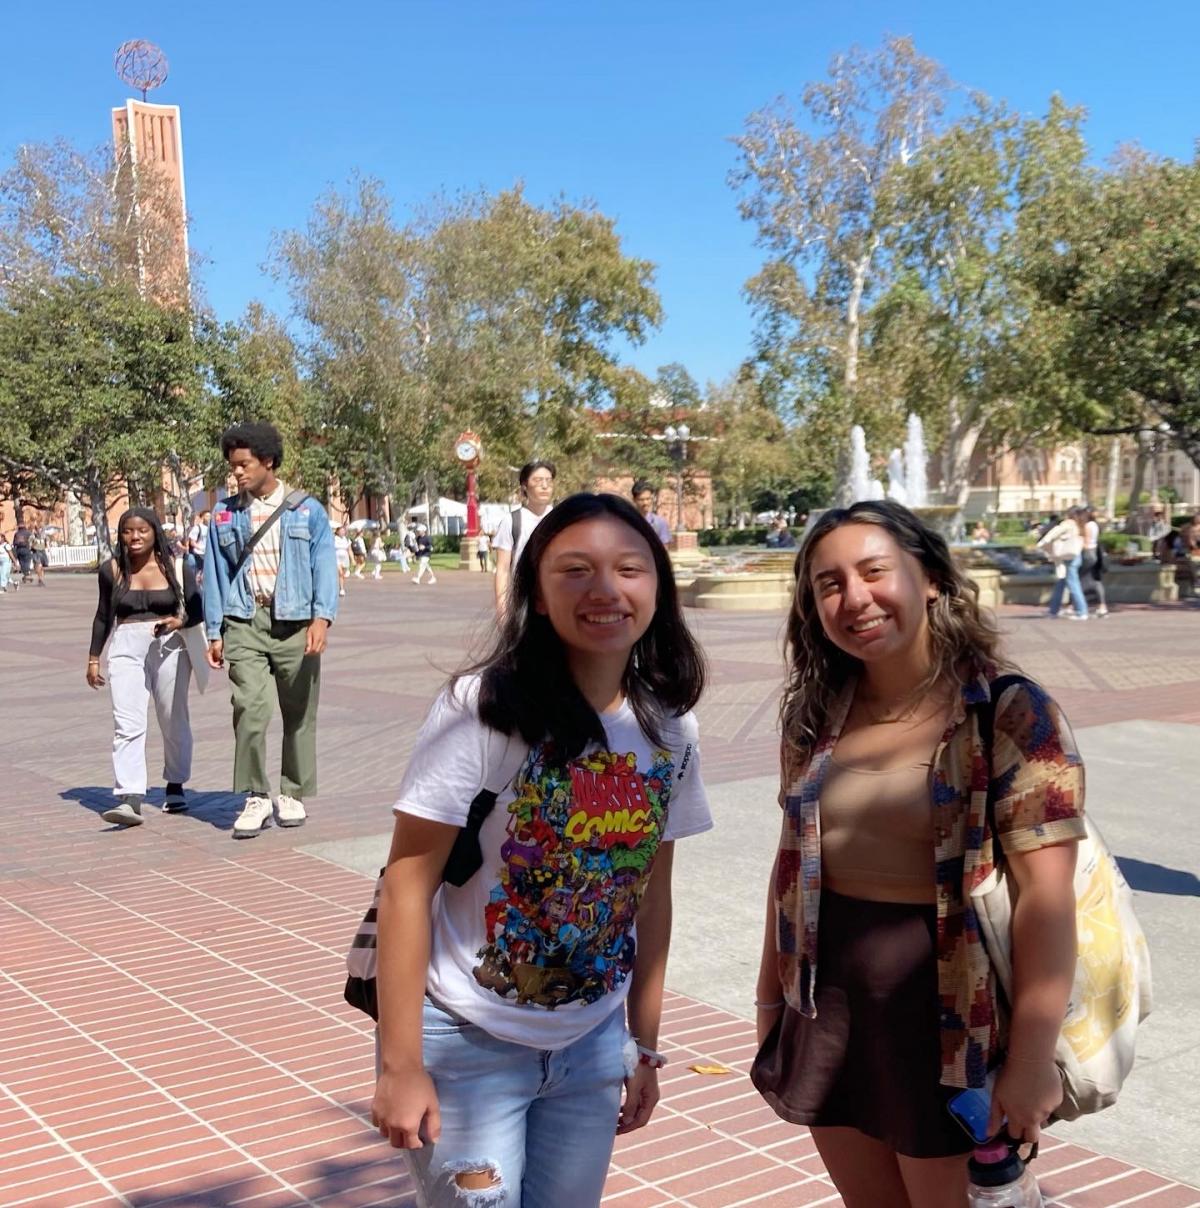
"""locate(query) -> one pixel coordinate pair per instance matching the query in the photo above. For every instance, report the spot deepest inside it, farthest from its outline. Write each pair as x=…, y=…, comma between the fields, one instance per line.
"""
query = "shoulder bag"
x=1112, y=992
x=462, y=864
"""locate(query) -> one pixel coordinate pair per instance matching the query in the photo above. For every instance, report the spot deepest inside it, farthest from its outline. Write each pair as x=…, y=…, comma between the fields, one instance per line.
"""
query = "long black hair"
x=160, y=551
x=525, y=682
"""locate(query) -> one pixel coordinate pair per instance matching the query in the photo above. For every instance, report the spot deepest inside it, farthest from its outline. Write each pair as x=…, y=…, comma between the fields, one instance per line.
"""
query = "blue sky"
x=629, y=105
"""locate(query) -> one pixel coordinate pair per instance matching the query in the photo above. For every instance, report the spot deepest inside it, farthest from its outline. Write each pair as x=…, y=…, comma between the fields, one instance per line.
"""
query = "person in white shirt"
x=514, y=530
x=341, y=552
x=1091, y=568
x=511, y=955
x=378, y=556
x=1064, y=544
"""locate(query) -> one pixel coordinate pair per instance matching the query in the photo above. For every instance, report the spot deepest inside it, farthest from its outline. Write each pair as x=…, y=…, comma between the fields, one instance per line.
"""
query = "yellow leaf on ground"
x=700, y=1068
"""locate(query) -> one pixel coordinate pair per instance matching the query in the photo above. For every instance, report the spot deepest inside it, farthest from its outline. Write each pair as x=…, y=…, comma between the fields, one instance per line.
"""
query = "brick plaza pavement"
x=171, y=1027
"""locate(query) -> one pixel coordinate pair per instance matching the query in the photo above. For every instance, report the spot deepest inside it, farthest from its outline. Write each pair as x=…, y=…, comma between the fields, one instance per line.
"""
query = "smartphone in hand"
x=972, y=1107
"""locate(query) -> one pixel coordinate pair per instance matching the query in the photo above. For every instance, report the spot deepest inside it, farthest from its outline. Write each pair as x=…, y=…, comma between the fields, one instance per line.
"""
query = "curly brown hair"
x=962, y=638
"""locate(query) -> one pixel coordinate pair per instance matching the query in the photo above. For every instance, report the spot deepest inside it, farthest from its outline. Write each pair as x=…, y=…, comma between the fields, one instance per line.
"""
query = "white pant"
x=422, y=567
x=141, y=665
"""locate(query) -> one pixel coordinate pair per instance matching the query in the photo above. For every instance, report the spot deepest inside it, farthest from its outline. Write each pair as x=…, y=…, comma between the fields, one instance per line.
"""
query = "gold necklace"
x=906, y=712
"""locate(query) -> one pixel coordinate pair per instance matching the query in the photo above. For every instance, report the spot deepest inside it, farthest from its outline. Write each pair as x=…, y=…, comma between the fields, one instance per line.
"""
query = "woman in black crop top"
x=141, y=612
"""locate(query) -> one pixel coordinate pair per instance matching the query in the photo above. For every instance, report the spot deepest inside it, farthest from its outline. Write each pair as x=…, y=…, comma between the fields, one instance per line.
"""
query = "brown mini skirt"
x=871, y=1059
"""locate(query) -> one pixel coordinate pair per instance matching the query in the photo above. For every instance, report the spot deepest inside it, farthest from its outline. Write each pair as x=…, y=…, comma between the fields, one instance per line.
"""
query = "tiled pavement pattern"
x=171, y=1027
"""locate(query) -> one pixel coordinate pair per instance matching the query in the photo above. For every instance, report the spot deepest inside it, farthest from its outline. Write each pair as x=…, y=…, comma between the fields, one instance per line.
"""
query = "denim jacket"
x=307, y=586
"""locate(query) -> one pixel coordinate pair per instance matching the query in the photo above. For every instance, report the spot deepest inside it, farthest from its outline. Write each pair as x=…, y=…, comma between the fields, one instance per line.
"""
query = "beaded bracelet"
x=768, y=1006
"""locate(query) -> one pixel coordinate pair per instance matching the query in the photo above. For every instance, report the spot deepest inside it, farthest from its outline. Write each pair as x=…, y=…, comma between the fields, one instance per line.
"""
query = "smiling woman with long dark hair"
x=518, y=1012
x=145, y=601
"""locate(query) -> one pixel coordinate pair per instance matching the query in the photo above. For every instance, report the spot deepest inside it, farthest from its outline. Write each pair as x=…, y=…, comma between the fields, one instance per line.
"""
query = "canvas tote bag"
x=1112, y=992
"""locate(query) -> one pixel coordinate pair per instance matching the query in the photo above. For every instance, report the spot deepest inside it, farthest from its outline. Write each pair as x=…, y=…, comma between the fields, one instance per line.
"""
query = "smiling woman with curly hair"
x=898, y=727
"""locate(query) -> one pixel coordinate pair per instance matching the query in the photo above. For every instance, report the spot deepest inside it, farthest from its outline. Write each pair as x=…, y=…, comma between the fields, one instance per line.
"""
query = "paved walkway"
x=171, y=1027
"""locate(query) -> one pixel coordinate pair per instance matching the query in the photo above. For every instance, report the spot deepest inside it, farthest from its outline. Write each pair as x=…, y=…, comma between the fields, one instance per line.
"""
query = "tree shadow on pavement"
x=330, y=1183
x=217, y=810
x=1155, y=878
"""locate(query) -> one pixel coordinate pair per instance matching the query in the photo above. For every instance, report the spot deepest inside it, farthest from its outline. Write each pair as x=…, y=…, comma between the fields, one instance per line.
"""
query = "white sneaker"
x=128, y=811
x=1101, y=612
x=1075, y=616
x=255, y=817
x=289, y=811
x=432, y=581
x=341, y=591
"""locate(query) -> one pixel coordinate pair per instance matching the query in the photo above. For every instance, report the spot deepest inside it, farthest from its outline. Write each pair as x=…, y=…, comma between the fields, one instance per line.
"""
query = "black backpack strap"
x=515, y=517
x=293, y=499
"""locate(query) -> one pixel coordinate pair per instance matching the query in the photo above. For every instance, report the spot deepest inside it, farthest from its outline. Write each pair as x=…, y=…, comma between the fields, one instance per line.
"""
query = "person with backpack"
x=911, y=766
x=147, y=602
x=23, y=551
x=515, y=1001
x=270, y=596
x=423, y=544
x=1063, y=542
x=514, y=530
x=358, y=551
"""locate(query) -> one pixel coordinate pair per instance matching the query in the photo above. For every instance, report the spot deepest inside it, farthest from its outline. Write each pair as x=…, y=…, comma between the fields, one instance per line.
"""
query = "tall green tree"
x=816, y=184
x=96, y=383
x=483, y=311
x=1115, y=265
x=956, y=329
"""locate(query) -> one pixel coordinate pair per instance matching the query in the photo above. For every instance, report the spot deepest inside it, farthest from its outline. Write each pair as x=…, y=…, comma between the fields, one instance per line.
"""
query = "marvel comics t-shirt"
x=537, y=948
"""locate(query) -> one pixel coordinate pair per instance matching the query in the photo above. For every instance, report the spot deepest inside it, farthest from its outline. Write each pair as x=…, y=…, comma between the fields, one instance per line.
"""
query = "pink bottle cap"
x=996, y=1151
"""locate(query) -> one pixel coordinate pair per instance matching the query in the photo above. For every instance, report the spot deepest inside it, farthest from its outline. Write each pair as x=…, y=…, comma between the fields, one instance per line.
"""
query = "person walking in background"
x=481, y=550
x=1091, y=566
x=146, y=599
x=197, y=541
x=516, y=1004
x=341, y=553
x=876, y=1000
x=1064, y=544
x=407, y=548
x=20, y=545
x=378, y=556
x=7, y=561
x=39, y=554
x=270, y=596
x=537, y=498
x=424, y=553
x=644, y=496
x=358, y=552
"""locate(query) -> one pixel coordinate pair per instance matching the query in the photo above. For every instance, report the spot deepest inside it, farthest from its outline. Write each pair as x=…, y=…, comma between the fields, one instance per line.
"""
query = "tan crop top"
x=876, y=816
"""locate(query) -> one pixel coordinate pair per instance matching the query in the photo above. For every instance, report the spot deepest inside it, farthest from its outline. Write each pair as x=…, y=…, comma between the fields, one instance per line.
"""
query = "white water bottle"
x=1000, y=1178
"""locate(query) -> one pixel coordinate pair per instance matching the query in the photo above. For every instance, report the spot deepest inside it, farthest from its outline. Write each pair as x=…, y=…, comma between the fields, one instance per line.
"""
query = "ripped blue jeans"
x=542, y=1122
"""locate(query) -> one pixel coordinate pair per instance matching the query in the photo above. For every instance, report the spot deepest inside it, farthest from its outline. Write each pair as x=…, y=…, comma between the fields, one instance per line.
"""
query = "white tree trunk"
x=961, y=440
x=853, y=324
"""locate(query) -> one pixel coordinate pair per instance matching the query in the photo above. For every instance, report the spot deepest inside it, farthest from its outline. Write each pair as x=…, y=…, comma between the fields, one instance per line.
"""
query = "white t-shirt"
x=1091, y=535
x=341, y=548
x=503, y=538
x=537, y=947
x=198, y=536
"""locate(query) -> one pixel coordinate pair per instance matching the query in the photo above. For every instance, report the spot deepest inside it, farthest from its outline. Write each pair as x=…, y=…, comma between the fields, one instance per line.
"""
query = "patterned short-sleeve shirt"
x=1036, y=783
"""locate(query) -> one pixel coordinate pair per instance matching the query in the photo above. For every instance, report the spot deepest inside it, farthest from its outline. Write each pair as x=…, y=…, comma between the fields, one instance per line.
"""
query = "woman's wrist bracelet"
x=769, y=1006
x=650, y=1057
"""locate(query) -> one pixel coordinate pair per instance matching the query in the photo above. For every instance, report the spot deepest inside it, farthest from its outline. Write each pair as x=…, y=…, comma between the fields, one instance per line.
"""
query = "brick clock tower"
x=148, y=143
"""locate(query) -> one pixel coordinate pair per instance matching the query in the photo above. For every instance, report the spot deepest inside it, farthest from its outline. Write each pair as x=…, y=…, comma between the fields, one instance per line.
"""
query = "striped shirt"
x=263, y=568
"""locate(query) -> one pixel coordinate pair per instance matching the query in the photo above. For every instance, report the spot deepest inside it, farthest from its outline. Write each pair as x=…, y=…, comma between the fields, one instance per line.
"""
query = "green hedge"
x=733, y=536
x=1116, y=542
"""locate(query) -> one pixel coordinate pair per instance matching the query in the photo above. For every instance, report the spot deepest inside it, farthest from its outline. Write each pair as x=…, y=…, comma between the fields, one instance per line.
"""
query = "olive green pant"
x=256, y=652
